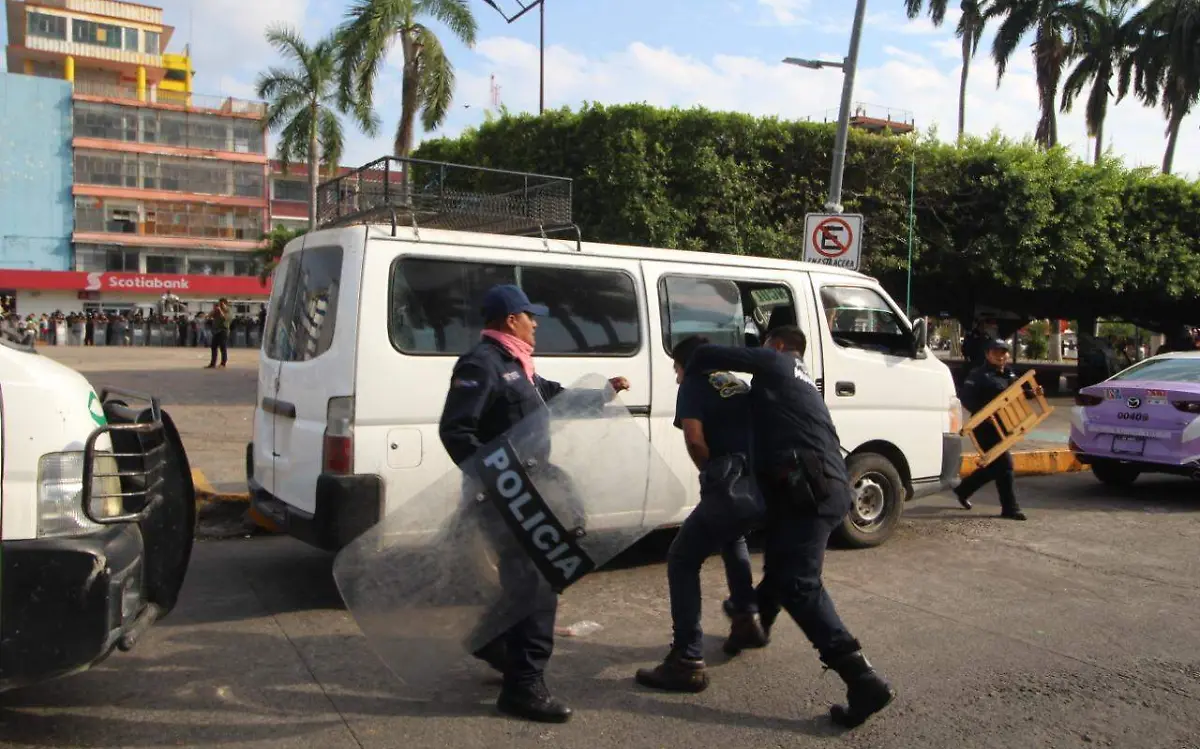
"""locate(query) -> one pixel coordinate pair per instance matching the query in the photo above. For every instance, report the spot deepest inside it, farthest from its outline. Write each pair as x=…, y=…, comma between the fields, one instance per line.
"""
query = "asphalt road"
x=1075, y=629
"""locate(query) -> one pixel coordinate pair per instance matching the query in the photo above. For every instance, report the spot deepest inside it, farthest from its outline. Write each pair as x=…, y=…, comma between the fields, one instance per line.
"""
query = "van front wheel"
x=876, y=501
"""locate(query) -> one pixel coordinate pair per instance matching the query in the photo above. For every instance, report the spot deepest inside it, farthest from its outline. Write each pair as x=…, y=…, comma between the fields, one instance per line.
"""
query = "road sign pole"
x=834, y=204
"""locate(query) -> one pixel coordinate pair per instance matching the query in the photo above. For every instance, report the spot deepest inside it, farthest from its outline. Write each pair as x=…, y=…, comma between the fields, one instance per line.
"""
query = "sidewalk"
x=1043, y=451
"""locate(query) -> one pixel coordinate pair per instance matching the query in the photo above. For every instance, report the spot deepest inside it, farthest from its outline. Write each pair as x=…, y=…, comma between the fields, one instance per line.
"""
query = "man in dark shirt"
x=981, y=387
x=493, y=388
x=804, y=479
x=713, y=410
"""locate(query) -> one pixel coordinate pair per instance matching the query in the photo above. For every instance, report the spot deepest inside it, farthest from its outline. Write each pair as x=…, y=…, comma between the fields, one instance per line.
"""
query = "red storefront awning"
x=150, y=284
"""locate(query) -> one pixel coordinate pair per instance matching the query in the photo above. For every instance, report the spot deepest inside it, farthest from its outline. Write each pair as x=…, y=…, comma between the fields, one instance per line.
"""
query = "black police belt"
x=552, y=548
x=802, y=472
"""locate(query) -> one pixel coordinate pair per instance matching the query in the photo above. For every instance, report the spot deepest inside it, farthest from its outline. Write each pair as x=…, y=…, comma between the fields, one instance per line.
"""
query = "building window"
x=131, y=40
x=290, y=189
x=121, y=261
x=205, y=267
x=152, y=43
x=163, y=264
x=434, y=307
x=99, y=34
x=47, y=26
x=178, y=76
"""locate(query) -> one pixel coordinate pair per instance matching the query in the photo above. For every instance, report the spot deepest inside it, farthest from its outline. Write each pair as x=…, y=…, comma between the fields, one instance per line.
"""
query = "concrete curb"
x=1033, y=463
x=206, y=493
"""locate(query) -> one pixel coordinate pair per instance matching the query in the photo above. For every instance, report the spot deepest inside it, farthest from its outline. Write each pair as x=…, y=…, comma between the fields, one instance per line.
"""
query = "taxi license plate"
x=1128, y=445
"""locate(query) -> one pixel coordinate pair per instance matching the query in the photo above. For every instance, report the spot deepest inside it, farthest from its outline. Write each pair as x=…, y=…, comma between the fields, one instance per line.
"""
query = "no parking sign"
x=833, y=239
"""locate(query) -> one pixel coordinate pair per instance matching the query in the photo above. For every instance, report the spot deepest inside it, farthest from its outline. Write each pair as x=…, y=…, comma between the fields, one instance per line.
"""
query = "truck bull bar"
x=139, y=441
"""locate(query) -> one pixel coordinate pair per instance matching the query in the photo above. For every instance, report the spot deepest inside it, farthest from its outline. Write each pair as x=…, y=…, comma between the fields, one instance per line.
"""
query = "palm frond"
x=436, y=81
x=459, y=18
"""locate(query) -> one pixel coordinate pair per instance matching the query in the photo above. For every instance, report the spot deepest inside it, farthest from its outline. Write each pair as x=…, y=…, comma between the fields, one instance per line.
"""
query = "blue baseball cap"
x=501, y=301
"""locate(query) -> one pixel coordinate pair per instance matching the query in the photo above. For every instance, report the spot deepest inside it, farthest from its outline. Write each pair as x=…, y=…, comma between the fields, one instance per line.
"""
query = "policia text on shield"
x=494, y=386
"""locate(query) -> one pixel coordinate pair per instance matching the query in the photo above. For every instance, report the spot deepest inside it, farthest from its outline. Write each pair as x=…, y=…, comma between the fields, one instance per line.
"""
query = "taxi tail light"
x=337, y=455
x=1190, y=407
x=1083, y=399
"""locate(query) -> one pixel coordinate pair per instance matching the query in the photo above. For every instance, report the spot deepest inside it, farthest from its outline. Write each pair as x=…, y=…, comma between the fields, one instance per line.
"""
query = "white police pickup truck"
x=97, y=516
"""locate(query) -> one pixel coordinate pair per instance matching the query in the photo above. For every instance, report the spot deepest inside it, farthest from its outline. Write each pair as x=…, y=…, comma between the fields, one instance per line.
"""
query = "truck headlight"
x=60, y=494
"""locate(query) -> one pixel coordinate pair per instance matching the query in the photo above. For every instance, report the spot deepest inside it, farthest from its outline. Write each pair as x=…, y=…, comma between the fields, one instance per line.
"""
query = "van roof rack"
x=441, y=195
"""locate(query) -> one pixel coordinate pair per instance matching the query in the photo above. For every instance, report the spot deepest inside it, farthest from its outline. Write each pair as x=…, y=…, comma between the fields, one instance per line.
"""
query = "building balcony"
x=126, y=60
x=109, y=9
x=117, y=92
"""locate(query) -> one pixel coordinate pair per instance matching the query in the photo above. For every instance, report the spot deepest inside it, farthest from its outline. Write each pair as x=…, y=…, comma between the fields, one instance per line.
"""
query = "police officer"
x=713, y=410
x=803, y=477
x=494, y=387
x=981, y=387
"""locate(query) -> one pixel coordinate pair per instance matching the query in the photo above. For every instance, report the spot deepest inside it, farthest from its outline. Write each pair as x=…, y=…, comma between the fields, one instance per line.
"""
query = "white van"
x=97, y=515
x=365, y=323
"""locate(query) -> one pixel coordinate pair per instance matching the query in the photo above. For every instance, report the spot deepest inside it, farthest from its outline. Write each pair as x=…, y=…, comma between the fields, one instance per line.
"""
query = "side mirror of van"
x=920, y=339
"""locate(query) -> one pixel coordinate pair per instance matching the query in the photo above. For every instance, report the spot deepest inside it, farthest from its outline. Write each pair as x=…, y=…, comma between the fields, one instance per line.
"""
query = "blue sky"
x=722, y=54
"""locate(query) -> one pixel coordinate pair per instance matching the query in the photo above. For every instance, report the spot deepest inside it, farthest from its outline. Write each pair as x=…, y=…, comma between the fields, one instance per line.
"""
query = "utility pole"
x=848, y=65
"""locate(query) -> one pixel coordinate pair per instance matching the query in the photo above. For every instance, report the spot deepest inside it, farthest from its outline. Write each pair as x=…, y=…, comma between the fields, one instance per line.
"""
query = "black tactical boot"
x=866, y=691
x=962, y=499
x=675, y=674
x=532, y=702
x=744, y=634
x=494, y=654
x=1012, y=513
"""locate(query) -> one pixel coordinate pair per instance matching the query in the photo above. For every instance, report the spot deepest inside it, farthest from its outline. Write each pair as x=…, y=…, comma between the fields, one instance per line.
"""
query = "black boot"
x=675, y=674
x=962, y=498
x=866, y=691
x=745, y=633
x=1012, y=513
x=532, y=702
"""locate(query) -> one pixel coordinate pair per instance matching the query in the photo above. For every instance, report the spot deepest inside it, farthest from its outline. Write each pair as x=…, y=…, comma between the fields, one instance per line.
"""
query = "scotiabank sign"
x=150, y=284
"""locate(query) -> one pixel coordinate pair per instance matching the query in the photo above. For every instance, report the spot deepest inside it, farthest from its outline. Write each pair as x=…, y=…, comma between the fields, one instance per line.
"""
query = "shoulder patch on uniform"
x=727, y=384
x=511, y=376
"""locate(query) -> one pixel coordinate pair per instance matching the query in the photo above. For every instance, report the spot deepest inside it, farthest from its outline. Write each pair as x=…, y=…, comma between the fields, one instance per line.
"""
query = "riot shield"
x=451, y=569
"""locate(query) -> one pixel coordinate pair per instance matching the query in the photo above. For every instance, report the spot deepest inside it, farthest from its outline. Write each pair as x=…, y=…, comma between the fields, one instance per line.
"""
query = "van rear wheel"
x=876, y=501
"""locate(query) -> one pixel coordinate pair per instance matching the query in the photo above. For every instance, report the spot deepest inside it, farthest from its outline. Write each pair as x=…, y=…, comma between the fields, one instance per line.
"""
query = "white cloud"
x=928, y=88
x=785, y=11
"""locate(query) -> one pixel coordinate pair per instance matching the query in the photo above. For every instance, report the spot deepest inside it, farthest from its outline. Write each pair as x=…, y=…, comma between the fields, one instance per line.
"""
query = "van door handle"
x=844, y=388
x=279, y=408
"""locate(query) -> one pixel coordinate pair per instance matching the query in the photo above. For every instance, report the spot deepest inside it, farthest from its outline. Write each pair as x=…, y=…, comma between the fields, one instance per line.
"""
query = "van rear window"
x=303, y=314
x=435, y=307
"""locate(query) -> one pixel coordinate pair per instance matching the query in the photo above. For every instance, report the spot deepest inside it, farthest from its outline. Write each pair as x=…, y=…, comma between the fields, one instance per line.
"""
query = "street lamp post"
x=848, y=66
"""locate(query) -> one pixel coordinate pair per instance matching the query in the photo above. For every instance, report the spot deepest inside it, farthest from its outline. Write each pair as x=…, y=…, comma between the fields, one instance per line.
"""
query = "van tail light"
x=337, y=455
x=1083, y=399
x=1188, y=407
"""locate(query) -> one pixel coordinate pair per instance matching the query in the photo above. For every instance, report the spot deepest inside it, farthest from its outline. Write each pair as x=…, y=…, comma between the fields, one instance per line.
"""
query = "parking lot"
x=1076, y=628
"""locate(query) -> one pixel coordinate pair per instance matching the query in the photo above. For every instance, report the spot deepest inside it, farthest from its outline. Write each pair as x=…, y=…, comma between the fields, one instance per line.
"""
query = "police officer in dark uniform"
x=803, y=477
x=981, y=387
x=713, y=410
x=494, y=387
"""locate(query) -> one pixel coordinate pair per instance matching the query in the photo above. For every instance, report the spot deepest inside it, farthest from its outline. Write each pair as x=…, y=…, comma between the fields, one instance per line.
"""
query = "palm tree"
x=1052, y=23
x=303, y=103
x=1165, y=62
x=427, y=77
x=970, y=30
x=1102, y=42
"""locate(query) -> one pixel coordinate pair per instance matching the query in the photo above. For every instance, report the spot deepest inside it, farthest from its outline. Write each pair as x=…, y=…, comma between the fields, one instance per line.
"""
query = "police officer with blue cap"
x=981, y=387
x=494, y=387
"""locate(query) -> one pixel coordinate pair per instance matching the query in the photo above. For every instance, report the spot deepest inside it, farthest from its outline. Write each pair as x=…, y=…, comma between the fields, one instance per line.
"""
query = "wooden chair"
x=1012, y=414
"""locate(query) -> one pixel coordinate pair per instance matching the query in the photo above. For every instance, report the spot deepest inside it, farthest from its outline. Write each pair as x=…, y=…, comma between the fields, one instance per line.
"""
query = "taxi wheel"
x=876, y=501
x=1115, y=473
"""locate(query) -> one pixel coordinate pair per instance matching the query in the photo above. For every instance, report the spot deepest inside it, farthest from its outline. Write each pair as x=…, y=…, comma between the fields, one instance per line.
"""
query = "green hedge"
x=997, y=222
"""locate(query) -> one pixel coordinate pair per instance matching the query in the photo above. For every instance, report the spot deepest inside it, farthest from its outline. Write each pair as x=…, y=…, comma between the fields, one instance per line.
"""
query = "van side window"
x=301, y=325
x=730, y=313
x=860, y=317
x=435, y=307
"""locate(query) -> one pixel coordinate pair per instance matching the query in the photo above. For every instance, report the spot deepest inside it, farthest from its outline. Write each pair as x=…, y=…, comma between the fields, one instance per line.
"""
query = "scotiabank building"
x=40, y=292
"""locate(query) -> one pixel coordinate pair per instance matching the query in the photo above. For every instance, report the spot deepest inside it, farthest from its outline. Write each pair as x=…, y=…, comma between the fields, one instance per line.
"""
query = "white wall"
x=47, y=302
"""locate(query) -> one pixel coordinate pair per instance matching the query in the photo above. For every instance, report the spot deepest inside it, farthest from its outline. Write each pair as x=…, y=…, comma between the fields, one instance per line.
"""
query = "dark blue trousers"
x=793, y=558
x=704, y=533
